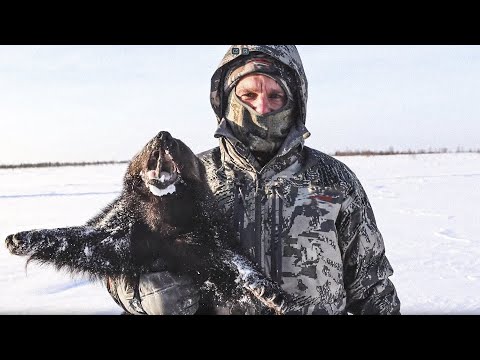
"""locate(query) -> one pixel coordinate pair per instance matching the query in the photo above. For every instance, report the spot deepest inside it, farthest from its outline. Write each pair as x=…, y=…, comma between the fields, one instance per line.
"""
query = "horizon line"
x=336, y=153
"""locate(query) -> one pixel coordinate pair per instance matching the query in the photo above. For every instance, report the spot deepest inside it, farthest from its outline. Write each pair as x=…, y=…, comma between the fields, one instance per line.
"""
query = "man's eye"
x=248, y=96
x=276, y=96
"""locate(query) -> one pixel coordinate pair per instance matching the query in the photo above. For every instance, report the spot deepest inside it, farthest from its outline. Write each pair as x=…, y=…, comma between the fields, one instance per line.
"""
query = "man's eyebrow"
x=245, y=91
x=245, y=87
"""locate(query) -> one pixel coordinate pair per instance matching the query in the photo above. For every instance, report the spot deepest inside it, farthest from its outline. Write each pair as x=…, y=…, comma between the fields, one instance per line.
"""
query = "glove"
x=159, y=293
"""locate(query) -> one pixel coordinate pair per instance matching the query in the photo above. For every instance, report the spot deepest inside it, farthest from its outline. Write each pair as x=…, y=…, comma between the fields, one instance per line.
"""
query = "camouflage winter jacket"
x=304, y=217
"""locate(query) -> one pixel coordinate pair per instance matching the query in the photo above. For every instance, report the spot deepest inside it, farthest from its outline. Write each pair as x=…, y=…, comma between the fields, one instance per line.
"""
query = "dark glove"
x=159, y=293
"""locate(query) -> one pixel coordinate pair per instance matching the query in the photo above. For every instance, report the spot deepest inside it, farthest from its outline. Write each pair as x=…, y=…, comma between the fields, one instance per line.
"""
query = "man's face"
x=261, y=93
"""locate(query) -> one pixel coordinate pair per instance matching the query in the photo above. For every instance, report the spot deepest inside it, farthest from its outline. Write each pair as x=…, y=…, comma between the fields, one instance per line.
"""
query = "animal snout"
x=165, y=136
x=166, y=140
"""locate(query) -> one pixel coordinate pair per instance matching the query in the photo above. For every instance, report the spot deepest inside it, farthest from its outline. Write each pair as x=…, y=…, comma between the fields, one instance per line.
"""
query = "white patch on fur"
x=170, y=189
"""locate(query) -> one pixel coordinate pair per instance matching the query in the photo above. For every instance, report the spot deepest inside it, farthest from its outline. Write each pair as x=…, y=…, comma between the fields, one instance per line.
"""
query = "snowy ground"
x=425, y=207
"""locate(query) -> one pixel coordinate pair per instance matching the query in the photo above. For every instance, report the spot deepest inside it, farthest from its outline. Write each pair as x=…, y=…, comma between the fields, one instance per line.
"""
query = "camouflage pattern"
x=304, y=217
x=287, y=54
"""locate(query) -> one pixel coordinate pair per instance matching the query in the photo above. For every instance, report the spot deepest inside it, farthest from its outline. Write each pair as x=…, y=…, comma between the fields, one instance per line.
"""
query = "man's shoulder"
x=319, y=158
x=328, y=168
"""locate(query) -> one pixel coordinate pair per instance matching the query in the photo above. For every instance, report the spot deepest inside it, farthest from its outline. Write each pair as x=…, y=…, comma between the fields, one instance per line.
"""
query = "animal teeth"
x=164, y=176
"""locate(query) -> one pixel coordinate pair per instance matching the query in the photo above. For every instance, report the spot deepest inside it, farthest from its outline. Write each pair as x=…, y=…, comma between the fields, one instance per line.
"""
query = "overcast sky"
x=89, y=103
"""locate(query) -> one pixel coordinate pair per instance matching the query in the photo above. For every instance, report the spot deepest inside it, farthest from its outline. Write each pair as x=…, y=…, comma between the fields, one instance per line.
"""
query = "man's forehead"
x=256, y=79
x=259, y=65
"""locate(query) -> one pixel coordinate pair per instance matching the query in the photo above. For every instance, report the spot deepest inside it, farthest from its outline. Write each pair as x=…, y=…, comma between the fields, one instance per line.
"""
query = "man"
x=302, y=215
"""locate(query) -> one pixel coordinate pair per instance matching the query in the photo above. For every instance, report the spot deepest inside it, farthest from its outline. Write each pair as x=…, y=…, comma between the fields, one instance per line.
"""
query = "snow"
x=170, y=189
x=425, y=207
x=164, y=176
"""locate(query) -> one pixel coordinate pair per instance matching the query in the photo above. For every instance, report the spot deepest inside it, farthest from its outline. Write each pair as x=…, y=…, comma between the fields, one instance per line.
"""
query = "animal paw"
x=17, y=243
x=273, y=299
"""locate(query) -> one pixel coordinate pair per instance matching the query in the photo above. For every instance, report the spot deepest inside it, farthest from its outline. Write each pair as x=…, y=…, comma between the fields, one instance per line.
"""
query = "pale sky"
x=94, y=103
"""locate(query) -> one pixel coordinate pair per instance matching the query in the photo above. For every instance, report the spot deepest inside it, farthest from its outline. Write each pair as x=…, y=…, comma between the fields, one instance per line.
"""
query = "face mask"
x=261, y=134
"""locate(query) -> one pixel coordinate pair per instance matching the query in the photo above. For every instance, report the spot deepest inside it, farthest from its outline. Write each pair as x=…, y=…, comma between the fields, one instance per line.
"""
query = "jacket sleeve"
x=366, y=267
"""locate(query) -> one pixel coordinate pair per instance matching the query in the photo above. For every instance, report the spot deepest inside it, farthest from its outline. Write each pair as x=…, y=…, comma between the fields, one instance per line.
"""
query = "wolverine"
x=165, y=218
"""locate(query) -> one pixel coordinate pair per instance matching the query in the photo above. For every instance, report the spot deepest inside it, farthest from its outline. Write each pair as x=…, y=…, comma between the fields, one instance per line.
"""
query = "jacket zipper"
x=276, y=235
x=246, y=236
x=258, y=225
x=237, y=211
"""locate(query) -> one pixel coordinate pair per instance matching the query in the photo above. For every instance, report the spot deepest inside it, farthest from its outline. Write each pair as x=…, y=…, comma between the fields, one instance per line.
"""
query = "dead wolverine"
x=165, y=218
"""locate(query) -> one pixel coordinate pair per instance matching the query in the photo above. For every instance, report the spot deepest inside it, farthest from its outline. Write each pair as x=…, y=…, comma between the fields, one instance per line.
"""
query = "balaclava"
x=261, y=134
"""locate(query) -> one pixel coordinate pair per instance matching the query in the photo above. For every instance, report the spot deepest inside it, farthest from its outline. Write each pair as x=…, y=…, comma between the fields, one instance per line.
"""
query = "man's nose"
x=262, y=104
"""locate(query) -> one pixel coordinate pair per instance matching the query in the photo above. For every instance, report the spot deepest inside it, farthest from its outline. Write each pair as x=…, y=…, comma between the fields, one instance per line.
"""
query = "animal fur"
x=141, y=232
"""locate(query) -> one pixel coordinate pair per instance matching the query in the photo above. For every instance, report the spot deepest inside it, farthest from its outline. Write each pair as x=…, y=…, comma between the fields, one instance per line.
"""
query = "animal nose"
x=165, y=139
x=165, y=135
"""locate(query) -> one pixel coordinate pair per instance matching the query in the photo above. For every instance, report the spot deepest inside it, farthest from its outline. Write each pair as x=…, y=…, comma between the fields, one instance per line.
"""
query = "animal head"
x=167, y=182
x=164, y=164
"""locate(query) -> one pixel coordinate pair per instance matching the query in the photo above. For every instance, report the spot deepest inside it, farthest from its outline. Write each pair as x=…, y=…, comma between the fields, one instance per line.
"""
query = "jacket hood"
x=286, y=54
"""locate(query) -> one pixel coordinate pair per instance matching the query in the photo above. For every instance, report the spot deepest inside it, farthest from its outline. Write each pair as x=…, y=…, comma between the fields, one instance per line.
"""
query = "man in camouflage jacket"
x=302, y=215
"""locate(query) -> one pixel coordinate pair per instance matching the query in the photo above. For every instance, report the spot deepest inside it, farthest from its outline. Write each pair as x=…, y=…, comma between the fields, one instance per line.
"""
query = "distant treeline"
x=391, y=151
x=57, y=164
